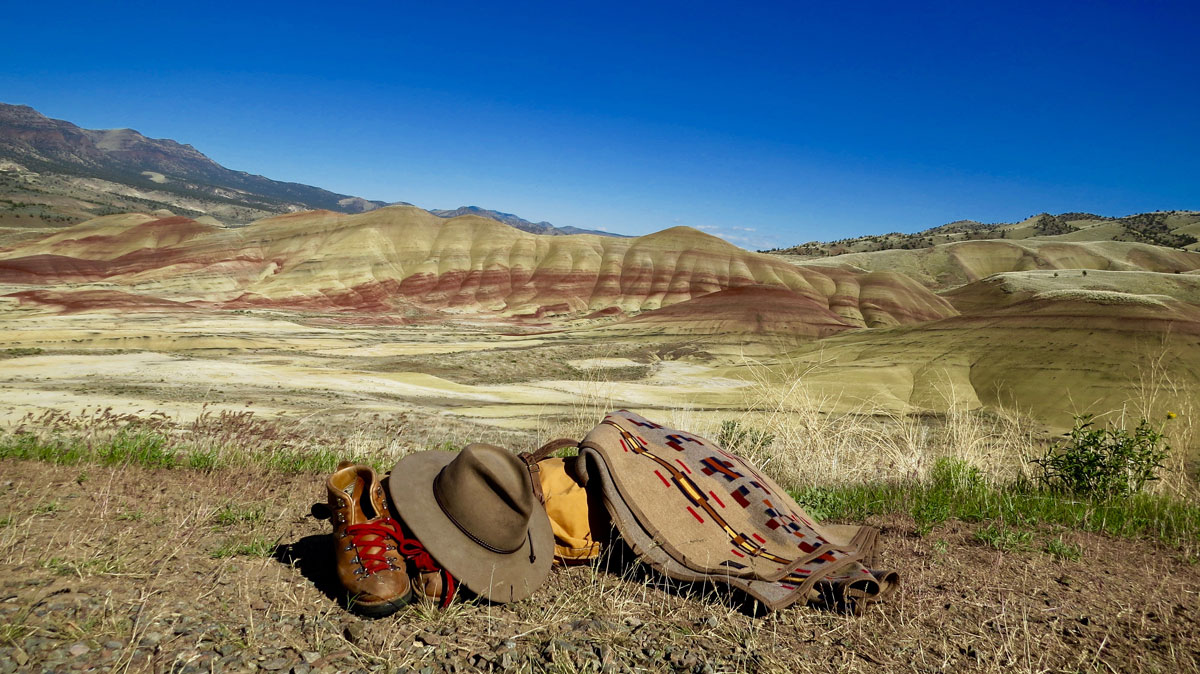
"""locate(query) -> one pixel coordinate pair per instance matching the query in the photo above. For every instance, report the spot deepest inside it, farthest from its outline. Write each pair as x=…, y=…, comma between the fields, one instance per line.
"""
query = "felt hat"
x=475, y=512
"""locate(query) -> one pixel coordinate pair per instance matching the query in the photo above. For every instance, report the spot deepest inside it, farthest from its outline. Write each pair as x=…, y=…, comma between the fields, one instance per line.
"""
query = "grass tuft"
x=1062, y=550
x=258, y=546
x=232, y=513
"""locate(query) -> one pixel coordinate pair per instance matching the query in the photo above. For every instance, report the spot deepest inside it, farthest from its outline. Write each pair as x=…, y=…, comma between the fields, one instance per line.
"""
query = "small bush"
x=818, y=502
x=735, y=438
x=950, y=474
x=1103, y=462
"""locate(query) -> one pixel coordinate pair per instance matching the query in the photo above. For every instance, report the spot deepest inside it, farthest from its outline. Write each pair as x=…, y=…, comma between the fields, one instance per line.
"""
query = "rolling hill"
x=401, y=257
x=1170, y=229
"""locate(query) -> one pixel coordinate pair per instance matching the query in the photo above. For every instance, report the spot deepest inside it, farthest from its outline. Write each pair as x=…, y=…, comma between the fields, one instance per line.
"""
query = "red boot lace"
x=416, y=553
x=374, y=535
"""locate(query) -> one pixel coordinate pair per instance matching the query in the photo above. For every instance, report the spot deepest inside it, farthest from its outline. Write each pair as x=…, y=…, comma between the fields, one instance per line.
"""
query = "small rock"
x=114, y=645
x=310, y=656
x=711, y=621
x=429, y=639
x=78, y=649
x=227, y=649
x=301, y=668
x=19, y=655
x=354, y=632
x=632, y=622
x=505, y=646
x=275, y=664
x=150, y=639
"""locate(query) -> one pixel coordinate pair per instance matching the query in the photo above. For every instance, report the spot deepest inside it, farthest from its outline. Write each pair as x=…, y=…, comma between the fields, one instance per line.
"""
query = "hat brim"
x=494, y=576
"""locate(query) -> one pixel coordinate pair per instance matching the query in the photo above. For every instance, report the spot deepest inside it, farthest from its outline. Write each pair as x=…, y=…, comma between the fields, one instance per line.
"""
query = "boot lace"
x=374, y=536
x=418, y=556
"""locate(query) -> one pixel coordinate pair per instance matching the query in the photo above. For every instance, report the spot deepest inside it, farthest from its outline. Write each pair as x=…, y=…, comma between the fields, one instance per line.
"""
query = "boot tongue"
x=431, y=584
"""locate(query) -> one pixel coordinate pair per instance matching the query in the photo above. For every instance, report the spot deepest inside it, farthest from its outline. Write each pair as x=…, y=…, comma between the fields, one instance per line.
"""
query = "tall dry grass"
x=820, y=439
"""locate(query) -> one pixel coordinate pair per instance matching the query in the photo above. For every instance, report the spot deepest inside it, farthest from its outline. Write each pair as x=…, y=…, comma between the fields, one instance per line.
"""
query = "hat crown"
x=488, y=494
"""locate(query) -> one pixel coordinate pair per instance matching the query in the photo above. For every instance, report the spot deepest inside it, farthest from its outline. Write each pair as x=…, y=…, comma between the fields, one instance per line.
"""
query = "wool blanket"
x=699, y=513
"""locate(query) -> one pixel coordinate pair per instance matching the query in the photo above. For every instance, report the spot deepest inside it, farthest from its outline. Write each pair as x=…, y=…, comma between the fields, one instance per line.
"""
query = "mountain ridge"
x=44, y=144
x=520, y=223
x=53, y=171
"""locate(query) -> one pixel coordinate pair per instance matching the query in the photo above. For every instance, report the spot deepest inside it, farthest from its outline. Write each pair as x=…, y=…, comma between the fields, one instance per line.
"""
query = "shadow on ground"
x=313, y=557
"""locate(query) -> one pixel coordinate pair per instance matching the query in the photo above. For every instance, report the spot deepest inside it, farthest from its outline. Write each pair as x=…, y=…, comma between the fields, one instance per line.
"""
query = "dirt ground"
x=132, y=569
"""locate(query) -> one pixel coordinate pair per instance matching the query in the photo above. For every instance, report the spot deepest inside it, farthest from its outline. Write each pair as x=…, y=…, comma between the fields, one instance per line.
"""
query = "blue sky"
x=768, y=124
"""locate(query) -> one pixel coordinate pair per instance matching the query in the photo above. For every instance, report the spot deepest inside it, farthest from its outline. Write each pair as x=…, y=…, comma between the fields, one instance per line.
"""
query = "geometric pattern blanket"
x=698, y=513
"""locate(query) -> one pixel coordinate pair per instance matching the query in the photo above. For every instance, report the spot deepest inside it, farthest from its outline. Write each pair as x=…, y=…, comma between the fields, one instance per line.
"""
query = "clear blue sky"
x=769, y=124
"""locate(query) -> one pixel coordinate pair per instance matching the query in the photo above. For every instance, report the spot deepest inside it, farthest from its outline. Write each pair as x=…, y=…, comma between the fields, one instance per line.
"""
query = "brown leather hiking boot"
x=365, y=537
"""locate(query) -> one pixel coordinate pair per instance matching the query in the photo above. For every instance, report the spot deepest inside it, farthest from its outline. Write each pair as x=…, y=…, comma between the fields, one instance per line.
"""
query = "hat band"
x=437, y=496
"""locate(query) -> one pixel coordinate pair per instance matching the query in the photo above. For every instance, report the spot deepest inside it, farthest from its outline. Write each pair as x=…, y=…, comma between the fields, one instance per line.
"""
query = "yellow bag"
x=577, y=517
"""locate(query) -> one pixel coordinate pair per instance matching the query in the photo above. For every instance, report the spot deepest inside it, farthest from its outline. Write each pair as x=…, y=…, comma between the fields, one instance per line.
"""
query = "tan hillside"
x=1024, y=344
x=953, y=264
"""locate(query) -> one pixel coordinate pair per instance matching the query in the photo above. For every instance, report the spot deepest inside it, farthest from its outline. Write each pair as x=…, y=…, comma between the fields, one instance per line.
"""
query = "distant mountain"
x=518, y=222
x=160, y=171
x=54, y=173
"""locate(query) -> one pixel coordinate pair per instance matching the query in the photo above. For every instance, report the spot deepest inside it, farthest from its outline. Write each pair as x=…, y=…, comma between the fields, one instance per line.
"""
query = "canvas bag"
x=577, y=516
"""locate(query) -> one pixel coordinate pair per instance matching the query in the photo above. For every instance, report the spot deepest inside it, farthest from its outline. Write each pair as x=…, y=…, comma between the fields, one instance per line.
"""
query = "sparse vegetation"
x=735, y=438
x=21, y=351
x=257, y=546
x=1172, y=522
x=1104, y=462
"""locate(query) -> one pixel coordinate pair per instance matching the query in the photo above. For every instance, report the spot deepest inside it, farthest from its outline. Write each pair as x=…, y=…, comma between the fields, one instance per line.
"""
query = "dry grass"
x=230, y=439
x=96, y=576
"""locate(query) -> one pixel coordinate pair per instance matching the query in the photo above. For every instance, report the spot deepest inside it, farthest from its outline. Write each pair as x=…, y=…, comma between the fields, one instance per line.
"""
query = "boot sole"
x=380, y=609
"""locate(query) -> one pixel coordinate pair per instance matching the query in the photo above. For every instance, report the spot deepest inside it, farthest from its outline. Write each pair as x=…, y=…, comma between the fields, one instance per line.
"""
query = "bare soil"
x=131, y=569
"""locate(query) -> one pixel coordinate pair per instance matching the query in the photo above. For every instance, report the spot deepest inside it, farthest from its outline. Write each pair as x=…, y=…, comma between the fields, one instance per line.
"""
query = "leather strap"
x=531, y=460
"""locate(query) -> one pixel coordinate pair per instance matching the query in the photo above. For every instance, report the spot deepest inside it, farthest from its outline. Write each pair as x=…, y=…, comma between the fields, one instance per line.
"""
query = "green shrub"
x=820, y=503
x=953, y=475
x=1103, y=462
x=735, y=438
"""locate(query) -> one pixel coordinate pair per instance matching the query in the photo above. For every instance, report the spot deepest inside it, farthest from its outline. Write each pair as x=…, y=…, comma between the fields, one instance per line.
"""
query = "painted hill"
x=397, y=258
